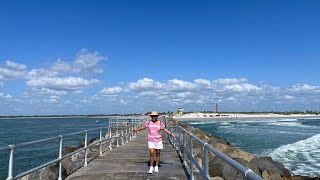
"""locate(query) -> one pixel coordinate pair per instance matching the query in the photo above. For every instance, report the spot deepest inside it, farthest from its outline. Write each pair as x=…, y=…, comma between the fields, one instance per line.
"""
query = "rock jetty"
x=218, y=169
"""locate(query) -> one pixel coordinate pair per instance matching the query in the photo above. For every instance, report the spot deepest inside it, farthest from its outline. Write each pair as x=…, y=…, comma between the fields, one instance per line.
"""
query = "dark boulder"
x=49, y=173
x=216, y=140
x=274, y=168
x=217, y=167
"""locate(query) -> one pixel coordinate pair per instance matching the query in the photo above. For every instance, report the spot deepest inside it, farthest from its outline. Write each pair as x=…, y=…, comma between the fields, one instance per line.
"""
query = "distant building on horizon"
x=180, y=111
x=217, y=108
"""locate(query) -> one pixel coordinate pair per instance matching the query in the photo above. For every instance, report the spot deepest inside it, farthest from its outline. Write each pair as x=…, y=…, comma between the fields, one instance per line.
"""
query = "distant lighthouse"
x=217, y=110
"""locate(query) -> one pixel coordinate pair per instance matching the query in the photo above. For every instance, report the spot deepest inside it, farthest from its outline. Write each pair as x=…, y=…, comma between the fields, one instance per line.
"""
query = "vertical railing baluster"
x=206, y=162
x=60, y=156
x=127, y=133
x=179, y=141
x=184, y=148
x=136, y=126
x=110, y=140
x=130, y=132
x=100, y=148
x=86, y=149
x=117, y=136
x=175, y=139
x=191, y=157
x=10, y=169
x=122, y=136
x=172, y=138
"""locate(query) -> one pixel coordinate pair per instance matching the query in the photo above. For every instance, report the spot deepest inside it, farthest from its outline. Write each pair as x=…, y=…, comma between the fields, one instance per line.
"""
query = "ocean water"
x=293, y=142
x=20, y=130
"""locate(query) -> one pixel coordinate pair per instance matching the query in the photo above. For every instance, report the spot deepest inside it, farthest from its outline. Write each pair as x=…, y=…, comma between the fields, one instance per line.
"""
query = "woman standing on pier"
x=154, y=139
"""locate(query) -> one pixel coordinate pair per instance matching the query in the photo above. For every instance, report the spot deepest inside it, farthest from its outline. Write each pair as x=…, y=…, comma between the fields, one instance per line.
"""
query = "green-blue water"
x=20, y=130
x=293, y=142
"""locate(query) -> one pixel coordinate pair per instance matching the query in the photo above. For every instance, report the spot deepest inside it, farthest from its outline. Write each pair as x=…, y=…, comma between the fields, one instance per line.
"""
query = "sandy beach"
x=210, y=116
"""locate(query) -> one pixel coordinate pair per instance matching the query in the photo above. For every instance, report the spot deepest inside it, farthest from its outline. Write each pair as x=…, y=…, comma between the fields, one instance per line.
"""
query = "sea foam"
x=301, y=157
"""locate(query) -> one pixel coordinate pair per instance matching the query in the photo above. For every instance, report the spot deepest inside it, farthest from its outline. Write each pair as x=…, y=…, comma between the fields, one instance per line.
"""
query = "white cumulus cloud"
x=202, y=82
x=226, y=81
x=288, y=97
x=180, y=85
x=149, y=93
x=145, y=84
x=61, y=67
x=5, y=96
x=112, y=90
x=15, y=66
x=241, y=88
x=88, y=62
x=47, y=91
x=12, y=70
x=183, y=94
x=68, y=83
x=304, y=87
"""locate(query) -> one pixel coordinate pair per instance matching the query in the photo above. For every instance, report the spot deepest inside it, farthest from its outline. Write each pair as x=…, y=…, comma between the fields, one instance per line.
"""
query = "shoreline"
x=226, y=116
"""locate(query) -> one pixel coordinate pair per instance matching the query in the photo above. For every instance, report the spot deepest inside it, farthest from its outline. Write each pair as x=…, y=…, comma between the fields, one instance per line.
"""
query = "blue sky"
x=100, y=57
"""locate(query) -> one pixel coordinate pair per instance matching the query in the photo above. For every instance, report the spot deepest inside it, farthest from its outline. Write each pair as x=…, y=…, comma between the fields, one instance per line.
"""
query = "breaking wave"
x=301, y=157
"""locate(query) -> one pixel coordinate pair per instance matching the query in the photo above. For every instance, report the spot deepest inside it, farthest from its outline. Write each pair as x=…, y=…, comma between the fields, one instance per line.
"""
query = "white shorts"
x=155, y=145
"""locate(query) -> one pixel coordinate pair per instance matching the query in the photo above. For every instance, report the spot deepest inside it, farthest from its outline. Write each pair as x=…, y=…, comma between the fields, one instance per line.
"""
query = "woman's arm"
x=140, y=128
x=168, y=132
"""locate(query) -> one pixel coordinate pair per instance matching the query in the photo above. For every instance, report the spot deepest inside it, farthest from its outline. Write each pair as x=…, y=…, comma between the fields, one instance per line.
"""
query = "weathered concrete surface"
x=131, y=160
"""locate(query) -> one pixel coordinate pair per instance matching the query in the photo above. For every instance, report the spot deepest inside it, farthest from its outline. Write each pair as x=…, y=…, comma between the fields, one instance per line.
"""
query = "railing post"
x=174, y=139
x=117, y=136
x=127, y=134
x=206, y=161
x=184, y=148
x=191, y=157
x=100, y=148
x=110, y=140
x=171, y=138
x=86, y=148
x=135, y=126
x=122, y=136
x=60, y=160
x=130, y=132
x=10, y=169
x=179, y=141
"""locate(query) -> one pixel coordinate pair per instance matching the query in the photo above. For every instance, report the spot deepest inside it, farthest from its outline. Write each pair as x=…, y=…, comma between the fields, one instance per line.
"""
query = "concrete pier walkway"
x=130, y=161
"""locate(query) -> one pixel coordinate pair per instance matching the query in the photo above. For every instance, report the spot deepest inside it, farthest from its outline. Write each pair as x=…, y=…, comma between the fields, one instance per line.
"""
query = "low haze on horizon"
x=109, y=57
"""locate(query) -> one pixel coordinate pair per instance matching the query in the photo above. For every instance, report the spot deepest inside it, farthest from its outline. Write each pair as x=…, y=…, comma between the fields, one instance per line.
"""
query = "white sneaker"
x=156, y=169
x=150, y=170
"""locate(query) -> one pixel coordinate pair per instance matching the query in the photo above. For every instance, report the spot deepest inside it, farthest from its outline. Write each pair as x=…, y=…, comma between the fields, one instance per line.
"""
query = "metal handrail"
x=127, y=133
x=184, y=152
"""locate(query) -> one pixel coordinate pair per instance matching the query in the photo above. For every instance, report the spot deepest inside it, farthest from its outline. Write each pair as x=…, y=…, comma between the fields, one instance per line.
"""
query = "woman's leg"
x=151, y=150
x=158, y=156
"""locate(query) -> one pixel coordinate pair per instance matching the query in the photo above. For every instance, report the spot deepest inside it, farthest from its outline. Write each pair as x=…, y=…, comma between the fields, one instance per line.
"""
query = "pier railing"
x=187, y=153
x=120, y=127
x=123, y=133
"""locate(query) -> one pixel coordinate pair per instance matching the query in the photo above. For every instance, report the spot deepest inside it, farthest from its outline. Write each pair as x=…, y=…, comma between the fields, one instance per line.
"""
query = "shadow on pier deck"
x=131, y=160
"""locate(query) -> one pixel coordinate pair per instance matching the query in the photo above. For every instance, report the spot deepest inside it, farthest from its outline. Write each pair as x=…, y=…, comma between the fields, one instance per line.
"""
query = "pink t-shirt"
x=154, y=130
